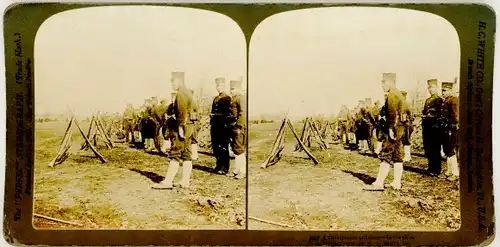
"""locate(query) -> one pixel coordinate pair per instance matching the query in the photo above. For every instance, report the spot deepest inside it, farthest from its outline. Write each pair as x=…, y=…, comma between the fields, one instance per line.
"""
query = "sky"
x=309, y=62
x=101, y=58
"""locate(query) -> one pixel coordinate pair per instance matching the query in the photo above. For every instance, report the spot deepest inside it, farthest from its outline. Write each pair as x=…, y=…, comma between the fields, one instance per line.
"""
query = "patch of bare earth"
x=330, y=195
x=118, y=194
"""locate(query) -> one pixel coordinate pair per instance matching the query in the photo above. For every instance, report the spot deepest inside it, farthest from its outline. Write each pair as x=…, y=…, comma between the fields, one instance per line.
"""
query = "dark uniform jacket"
x=366, y=116
x=221, y=108
x=183, y=107
x=394, y=109
x=449, y=112
x=237, y=114
x=432, y=107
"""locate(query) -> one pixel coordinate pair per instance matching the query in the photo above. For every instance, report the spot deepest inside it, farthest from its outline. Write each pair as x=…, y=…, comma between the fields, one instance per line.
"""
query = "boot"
x=379, y=147
x=241, y=168
x=455, y=170
x=448, y=167
x=173, y=167
x=367, y=147
x=187, y=168
x=407, y=156
x=398, y=174
x=383, y=171
x=194, y=151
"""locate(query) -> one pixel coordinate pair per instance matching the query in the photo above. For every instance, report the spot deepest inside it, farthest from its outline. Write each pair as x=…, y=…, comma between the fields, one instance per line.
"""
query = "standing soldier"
x=366, y=120
x=408, y=129
x=358, y=119
x=431, y=130
x=194, y=140
x=237, y=123
x=180, y=151
x=449, y=113
x=170, y=124
x=392, y=147
x=380, y=125
x=343, y=123
x=128, y=123
x=219, y=132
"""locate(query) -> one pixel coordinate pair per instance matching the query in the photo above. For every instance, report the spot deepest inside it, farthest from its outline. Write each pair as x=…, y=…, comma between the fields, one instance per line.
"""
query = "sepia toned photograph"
x=140, y=120
x=353, y=121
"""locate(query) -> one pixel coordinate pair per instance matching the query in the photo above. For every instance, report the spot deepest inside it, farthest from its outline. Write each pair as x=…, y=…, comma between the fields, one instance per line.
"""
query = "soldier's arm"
x=233, y=111
x=392, y=110
x=454, y=110
x=182, y=109
x=424, y=111
x=439, y=102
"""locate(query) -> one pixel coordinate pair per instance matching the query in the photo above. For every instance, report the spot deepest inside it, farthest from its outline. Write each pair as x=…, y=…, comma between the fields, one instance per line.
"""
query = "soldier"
x=180, y=151
x=237, y=123
x=149, y=127
x=219, y=132
x=128, y=123
x=358, y=119
x=408, y=129
x=431, y=130
x=194, y=140
x=366, y=120
x=392, y=148
x=379, y=126
x=162, y=112
x=343, y=123
x=375, y=112
x=170, y=124
x=449, y=113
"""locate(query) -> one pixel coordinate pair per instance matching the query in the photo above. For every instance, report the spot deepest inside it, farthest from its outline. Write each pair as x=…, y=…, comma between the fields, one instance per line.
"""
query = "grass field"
x=118, y=194
x=329, y=196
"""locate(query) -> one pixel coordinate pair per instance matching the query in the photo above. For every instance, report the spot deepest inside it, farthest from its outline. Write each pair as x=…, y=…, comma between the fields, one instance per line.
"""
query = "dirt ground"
x=329, y=196
x=118, y=194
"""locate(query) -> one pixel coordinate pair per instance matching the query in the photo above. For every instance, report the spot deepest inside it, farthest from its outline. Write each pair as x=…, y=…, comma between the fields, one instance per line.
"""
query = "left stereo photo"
x=140, y=120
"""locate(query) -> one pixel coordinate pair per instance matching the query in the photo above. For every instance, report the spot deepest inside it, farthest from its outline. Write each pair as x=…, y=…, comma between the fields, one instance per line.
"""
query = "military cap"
x=235, y=83
x=432, y=82
x=220, y=80
x=404, y=93
x=447, y=85
x=389, y=77
x=177, y=75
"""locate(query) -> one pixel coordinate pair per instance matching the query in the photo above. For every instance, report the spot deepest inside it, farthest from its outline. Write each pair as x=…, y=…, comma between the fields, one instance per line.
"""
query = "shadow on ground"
x=363, y=177
x=151, y=175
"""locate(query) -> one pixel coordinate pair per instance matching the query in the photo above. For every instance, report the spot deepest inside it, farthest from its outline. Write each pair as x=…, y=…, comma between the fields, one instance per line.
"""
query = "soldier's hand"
x=391, y=134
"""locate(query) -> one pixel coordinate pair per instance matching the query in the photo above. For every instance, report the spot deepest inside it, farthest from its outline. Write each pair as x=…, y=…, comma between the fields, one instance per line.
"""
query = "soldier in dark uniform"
x=366, y=120
x=358, y=119
x=343, y=122
x=449, y=118
x=162, y=112
x=408, y=129
x=171, y=124
x=219, y=131
x=149, y=126
x=181, y=145
x=194, y=140
x=392, y=147
x=431, y=131
x=380, y=126
x=237, y=123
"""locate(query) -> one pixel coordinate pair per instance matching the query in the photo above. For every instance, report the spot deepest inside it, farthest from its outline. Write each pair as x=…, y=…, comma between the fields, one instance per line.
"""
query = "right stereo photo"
x=353, y=121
